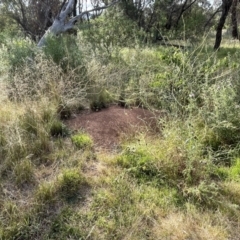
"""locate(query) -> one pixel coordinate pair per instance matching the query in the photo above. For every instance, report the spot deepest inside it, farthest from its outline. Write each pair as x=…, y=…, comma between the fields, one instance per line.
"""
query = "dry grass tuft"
x=191, y=225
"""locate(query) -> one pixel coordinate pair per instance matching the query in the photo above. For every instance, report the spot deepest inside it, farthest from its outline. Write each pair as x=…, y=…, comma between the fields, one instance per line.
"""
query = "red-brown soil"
x=109, y=125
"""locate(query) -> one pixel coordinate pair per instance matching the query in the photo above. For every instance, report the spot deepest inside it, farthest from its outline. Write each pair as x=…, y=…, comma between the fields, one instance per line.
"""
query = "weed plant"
x=82, y=141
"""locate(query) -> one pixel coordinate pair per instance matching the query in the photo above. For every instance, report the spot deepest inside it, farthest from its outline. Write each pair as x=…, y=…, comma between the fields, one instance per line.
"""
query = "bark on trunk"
x=235, y=34
x=226, y=5
x=63, y=24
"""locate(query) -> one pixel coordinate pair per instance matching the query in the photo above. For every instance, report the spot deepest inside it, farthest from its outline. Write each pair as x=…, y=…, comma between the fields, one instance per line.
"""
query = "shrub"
x=57, y=129
x=55, y=49
x=235, y=170
x=64, y=112
x=44, y=79
x=99, y=99
x=21, y=51
x=35, y=80
x=64, y=51
x=2, y=141
x=82, y=141
x=69, y=108
x=69, y=183
x=105, y=36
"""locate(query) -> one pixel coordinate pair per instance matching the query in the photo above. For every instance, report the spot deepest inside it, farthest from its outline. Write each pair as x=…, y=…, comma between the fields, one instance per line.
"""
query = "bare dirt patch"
x=108, y=125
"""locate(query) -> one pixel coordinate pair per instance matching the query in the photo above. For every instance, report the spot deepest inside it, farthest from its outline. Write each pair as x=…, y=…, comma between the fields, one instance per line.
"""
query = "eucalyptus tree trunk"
x=62, y=23
x=226, y=5
x=235, y=34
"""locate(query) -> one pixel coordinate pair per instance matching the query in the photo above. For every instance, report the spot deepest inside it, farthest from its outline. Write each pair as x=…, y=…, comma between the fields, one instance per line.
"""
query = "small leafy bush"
x=139, y=162
x=220, y=114
x=64, y=51
x=55, y=49
x=104, y=36
x=69, y=183
x=21, y=52
x=82, y=141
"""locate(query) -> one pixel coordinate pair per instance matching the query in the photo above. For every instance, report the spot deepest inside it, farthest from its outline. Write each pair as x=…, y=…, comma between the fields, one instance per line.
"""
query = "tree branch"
x=219, y=9
x=79, y=16
x=61, y=25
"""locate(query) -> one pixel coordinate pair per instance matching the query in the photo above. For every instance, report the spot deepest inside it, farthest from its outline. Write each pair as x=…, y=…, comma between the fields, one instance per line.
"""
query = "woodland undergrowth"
x=183, y=182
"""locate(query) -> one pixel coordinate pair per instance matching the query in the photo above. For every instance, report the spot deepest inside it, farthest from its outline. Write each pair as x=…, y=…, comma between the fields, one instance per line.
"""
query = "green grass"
x=69, y=183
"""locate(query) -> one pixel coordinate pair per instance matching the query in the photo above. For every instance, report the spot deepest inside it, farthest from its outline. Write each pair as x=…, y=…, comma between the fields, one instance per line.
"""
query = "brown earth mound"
x=108, y=125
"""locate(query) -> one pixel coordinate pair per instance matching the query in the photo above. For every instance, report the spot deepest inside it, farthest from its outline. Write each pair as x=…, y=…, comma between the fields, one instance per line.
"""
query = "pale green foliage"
x=82, y=141
x=99, y=98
